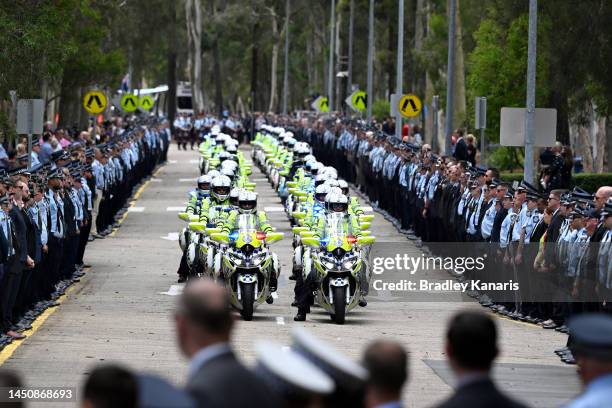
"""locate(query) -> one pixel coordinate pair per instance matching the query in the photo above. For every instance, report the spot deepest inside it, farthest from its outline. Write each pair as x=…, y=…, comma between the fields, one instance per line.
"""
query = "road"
x=121, y=311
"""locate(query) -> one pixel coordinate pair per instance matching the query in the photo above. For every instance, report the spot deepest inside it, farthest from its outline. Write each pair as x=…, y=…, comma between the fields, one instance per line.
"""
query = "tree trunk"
x=254, y=61
x=217, y=61
x=459, y=87
x=171, y=69
x=273, y=106
x=337, y=47
x=193, y=16
x=600, y=144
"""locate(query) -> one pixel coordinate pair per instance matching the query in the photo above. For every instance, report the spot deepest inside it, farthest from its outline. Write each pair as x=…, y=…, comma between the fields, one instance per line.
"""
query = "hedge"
x=587, y=181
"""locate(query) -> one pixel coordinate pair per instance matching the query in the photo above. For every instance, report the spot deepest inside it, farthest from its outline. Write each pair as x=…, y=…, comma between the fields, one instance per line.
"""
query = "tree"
x=193, y=18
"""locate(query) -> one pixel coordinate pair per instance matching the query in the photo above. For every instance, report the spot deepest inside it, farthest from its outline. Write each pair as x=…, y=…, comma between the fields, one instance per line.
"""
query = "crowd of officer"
x=52, y=209
x=189, y=127
x=556, y=244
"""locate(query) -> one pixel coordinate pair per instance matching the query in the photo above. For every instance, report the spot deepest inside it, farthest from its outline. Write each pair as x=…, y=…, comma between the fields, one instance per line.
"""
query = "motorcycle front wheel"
x=339, y=293
x=248, y=298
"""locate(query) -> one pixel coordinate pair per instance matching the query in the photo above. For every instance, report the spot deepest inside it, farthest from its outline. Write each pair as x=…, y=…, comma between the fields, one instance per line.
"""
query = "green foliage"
x=380, y=109
x=506, y=158
x=497, y=69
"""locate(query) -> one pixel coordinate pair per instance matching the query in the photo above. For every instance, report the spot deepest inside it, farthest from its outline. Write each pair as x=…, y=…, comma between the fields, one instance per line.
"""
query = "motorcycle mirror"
x=297, y=230
x=312, y=242
x=366, y=240
x=198, y=227
x=291, y=184
x=306, y=234
x=366, y=233
x=274, y=236
x=364, y=225
x=220, y=237
x=213, y=230
x=366, y=218
x=194, y=218
x=183, y=216
x=299, y=215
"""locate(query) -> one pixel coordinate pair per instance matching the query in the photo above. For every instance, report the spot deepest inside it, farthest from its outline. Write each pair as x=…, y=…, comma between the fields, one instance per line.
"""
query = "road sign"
x=358, y=101
x=145, y=102
x=512, y=127
x=320, y=104
x=30, y=116
x=409, y=106
x=94, y=102
x=129, y=102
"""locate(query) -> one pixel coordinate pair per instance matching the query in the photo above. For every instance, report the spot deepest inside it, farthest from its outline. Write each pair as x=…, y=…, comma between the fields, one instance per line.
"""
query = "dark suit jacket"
x=461, y=152
x=480, y=394
x=224, y=382
x=21, y=233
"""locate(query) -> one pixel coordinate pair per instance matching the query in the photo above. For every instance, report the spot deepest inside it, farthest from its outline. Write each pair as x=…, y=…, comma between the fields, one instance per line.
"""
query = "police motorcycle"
x=202, y=249
x=244, y=263
x=195, y=199
x=337, y=255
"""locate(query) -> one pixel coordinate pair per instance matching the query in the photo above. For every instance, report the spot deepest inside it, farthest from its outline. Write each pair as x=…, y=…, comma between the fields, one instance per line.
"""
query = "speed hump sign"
x=129, y=102
x=409, y=106
x=94, y=102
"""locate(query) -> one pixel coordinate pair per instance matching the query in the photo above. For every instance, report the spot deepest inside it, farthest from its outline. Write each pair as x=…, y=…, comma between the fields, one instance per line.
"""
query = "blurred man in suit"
x=471, y=347
x=387, y=364
x=216, y=378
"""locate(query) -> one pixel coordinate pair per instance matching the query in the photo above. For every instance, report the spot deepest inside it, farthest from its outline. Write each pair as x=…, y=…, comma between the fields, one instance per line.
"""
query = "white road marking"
x=280, y=320
x=156, y=180
x=175, y=290
x=172, y=161
x=187, y=180
x=274, y=295
x=367, y=209
x=260, y=179
x=194, y=161
x=172, y=236
x=274, y=209
x=175, y=208
x=136, y=209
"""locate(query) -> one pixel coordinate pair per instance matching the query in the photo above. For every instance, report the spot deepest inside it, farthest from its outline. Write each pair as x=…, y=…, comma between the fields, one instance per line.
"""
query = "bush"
x=381, y=109
x=587, y=181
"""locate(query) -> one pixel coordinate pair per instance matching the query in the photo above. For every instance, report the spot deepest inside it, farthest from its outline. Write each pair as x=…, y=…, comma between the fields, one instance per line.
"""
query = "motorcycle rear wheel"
x=339, y=293
x=248, y=298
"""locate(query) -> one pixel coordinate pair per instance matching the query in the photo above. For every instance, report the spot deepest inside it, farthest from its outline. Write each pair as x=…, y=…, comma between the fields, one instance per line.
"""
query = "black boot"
x=300, y=316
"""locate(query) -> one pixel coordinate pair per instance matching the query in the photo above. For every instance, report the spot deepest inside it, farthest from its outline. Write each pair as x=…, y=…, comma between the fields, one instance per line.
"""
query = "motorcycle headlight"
x=329, y=265
x=258, y=258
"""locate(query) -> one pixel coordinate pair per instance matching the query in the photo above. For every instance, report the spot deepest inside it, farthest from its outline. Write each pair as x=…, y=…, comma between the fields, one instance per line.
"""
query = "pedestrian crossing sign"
x=409, y=106
x=145, y=102
x=94, y=102
x=129, y=102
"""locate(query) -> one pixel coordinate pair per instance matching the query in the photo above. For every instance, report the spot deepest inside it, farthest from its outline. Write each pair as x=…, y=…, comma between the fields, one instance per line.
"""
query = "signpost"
x=480, y=108
x=94, y=102
x=30, y=121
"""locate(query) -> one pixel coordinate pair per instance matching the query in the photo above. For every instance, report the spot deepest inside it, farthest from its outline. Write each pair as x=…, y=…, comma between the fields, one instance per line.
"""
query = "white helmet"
x=336, y=203
x=204, y=184
x=247, y=202
x=321, y=192
x=220, y=187
x=215, y=130
x=214, y=173
x=234, y=194
x=344, y=186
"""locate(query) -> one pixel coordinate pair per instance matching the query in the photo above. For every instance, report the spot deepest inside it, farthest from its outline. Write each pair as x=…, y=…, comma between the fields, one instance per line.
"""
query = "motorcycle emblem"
x=248, y=239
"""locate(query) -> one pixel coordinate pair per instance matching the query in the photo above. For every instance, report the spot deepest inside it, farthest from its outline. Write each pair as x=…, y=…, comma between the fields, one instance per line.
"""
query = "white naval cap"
x=289, y=372
x=343, y=370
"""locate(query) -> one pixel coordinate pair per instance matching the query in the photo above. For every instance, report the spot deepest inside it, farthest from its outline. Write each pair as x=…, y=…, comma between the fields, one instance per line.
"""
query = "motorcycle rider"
x=247, y=204
x=214, y=210
x=199, y=194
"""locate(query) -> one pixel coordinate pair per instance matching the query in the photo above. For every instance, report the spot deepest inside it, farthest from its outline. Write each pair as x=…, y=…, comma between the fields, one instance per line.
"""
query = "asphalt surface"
x=121, y=311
